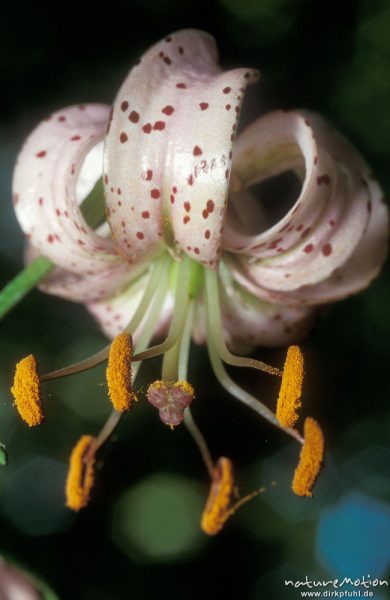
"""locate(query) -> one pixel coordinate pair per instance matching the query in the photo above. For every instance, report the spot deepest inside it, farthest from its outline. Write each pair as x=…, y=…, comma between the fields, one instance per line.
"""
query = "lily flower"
x=184, y=249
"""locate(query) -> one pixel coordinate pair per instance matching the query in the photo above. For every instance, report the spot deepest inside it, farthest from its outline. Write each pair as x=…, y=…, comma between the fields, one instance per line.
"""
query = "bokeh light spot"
x=158, y=519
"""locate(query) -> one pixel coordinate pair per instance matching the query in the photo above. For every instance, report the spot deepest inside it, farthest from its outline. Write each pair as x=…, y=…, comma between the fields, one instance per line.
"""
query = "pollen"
x=310, y=460
x=119, y=374
x=26, y=391
x=80, y=475
x=289, y=399
x=217, y=509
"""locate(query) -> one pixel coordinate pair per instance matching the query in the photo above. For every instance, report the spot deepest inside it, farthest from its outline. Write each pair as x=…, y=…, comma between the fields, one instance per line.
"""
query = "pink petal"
x=168, y=149
x=56, y=168
x=92, y=285
x=328, y=221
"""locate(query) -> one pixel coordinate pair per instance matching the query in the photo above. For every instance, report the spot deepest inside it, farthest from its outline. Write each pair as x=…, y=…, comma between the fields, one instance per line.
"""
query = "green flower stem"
x=25, y=281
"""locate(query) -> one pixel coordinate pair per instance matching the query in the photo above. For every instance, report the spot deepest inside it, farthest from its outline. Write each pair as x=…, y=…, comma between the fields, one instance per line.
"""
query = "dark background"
x=140, y=536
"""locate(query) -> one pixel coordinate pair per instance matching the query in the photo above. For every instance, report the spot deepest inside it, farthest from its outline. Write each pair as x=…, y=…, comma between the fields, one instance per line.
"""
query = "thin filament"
x=189, y=421
x=144, y=340
x=157, y=279
x=179, y=315
x=213, y=308
x=238, y=392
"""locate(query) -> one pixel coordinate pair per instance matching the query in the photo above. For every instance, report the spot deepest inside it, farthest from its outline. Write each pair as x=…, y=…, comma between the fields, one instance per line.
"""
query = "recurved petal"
x=323, y=228
x=169, y=146
x=57, y=167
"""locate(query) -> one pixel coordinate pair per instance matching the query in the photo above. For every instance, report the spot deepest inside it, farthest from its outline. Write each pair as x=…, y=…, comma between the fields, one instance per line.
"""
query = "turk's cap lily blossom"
x=168, y=162
x=184, y=245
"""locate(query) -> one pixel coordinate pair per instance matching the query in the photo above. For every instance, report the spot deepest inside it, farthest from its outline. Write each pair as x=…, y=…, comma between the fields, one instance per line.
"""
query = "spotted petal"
x=328, y=223
x=57, y=167
x=168, y=150
x=47, y=187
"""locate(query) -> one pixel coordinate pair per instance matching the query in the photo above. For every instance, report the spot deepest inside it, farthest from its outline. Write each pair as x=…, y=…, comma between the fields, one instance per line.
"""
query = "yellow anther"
x=289, y=399
x=119, y=372
x=310, y=460
x=217, y=509
x=26, y=391
x=81, y=474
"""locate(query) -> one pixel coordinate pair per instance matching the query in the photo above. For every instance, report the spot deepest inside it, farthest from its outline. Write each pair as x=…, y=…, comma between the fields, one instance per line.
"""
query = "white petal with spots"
x=168, y=150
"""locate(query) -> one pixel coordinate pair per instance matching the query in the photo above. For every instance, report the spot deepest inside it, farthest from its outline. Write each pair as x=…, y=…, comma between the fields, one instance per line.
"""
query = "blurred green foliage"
x=140, y=538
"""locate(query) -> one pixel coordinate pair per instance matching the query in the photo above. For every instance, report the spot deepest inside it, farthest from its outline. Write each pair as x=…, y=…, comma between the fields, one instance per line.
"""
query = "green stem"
x=25, y=281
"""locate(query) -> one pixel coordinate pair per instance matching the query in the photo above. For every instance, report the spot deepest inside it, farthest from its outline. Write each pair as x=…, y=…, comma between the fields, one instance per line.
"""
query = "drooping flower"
x=184, y=249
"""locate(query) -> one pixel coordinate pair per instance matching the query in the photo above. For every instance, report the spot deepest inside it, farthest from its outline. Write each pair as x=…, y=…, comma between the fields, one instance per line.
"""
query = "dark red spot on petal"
x=155, y=194
x=186, y=219
x=327, y=249
x=228, y=106
x=190, y=180
x=159, y=125
x=226, y=90
x=187, y=206
x=204, y=105
x=134, y=116
x=197, y=151
x=50, y=238
x=181, y=86
x=207, y=234
x=145, y=214
x=210, y=206
x=62, y=118
x=75, y=138
x=323, y=179
x=149, y=174
x=309, y=248
x=41, y=154
x=147, y=128
x=196, y=250
x=168, y=110
x=180, y=50
x=140, y=235
x=123, y=137
x=124, y=105
x=167, y=60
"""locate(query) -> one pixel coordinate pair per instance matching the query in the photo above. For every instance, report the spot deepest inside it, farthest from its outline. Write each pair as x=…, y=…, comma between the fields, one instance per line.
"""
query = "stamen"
x=216, y=330
x=171, y=399
x=81, y=473
x=289, y=399
x=157, y=281
x=217, y=507
x=119, y=372
x=310, y=460
x=26, y=391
